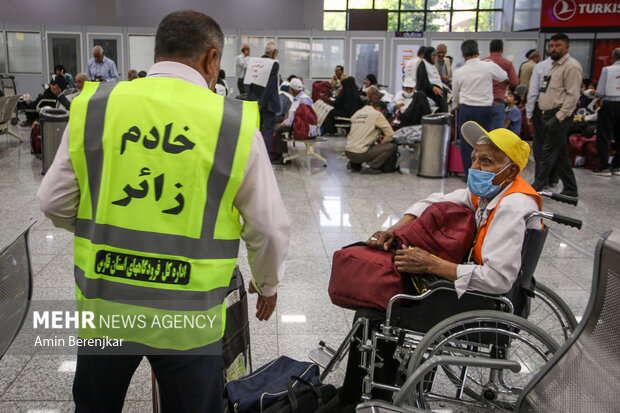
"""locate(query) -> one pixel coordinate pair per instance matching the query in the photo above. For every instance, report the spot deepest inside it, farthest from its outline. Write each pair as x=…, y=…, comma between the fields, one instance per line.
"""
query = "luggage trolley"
x=503, y=333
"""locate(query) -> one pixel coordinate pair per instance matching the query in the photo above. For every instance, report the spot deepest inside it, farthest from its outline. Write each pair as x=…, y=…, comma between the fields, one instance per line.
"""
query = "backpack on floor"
x=391, y=163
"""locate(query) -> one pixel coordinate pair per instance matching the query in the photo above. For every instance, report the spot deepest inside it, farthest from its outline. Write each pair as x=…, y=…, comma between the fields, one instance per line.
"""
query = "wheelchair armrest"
x=444, y=285
x=412, y=381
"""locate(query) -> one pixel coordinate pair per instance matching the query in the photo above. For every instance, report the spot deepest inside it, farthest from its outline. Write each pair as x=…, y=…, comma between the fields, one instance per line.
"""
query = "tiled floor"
x=328, y=207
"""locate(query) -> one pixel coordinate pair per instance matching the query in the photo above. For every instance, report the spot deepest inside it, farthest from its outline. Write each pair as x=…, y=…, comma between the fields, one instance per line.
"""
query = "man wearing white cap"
x=403, y=98
x=410, y=105
x=296, y=89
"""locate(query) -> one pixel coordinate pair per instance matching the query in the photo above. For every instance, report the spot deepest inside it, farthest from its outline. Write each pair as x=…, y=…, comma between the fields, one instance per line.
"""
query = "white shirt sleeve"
x=59, y=193
x=501, y=249
x=532, y=93
x=266, y=225
x=498, y=73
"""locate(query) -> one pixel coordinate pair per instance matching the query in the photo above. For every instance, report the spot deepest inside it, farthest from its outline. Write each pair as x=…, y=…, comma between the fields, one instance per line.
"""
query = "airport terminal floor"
x=329, y=207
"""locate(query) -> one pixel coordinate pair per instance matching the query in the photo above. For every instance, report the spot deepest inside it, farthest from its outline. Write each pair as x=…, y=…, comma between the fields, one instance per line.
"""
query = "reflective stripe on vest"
x=518, y=186
x=159, y=162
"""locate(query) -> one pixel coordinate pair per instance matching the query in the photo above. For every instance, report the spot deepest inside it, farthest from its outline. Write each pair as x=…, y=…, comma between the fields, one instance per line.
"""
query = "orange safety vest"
x=518, y=186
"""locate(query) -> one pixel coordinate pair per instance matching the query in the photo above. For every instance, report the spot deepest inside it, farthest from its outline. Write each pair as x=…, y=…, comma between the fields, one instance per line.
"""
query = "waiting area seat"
x=310, y=151
x=7, y=109
x=15, y=286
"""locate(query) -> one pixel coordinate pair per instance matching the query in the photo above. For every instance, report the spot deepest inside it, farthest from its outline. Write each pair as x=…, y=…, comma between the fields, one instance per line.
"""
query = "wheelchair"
x=478, y=325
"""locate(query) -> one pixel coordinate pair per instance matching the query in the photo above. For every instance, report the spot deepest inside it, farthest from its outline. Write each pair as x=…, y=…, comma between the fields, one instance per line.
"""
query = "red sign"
x=564, y=14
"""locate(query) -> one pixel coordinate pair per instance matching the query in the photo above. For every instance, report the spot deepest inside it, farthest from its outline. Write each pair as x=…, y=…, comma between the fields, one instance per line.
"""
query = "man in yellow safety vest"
x=153, y=177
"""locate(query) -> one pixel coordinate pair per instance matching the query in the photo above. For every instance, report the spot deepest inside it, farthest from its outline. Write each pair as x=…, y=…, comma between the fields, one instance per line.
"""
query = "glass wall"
x=422, y=15
x=24, y=52
x=257, y=44
x=294, y=57
x=581, y=50
x=326, y=55
x=141, y=52
x=64, y=49
x=228, y=55
x=515, y=50
x=367, y=55
x=526, y=15
x=2, y=52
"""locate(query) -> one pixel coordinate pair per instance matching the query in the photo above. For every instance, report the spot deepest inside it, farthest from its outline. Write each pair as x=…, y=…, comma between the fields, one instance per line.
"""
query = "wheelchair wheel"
x=487, y=334
x=551, y=313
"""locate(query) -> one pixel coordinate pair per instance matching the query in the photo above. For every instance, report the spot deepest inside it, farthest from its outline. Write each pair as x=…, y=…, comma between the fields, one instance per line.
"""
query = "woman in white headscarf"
x=429, y=81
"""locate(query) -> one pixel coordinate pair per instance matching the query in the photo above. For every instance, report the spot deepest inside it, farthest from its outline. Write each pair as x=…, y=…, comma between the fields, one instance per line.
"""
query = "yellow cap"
x=507, y=141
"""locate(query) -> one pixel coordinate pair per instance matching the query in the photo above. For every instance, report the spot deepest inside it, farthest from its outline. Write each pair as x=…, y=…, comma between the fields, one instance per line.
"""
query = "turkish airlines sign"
x=579, y=13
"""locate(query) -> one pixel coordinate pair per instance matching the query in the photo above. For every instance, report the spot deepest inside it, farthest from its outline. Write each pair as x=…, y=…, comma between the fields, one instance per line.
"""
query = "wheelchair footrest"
x=322, y=356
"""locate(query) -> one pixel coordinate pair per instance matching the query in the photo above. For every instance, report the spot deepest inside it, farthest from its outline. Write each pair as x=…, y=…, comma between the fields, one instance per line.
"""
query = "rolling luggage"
x=52, y=125
x=236, y=353
x=455, y=163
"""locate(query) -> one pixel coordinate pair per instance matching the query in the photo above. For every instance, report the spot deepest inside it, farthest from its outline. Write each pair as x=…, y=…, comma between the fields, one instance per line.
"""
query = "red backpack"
x=305, y=124
x=321, y=90
x=365, y=277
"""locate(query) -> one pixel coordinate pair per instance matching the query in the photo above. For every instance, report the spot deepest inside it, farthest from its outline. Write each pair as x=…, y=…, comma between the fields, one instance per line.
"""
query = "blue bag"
x=259, y=390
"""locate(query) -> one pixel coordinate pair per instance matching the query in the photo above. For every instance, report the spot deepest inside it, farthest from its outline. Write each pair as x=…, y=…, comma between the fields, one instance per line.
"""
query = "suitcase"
x=455, y=163
x=52, y=125
x=236, y=352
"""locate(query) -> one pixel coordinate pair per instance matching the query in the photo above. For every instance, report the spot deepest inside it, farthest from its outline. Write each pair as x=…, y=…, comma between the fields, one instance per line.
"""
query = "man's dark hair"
x=560, y=36
x=496, y=46
x=222, y=74
x=187, y=34
x=341, y=68
x=141, y=73
x=528, y=55
x=291, y=77
x=421, y=51
x=379, y=104
x=59, y=67
x=469, y=48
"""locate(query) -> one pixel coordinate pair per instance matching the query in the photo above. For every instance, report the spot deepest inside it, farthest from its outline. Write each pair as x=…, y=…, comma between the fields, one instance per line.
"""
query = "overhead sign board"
x=567, y=14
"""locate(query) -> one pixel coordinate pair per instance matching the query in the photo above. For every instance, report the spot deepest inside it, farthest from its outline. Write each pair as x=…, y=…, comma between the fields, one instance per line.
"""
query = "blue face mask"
x=480, y=183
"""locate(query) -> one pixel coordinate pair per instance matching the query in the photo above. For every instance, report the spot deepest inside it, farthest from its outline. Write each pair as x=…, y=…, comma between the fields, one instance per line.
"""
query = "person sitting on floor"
x=369, y=142
x=502, y=200
x=296, y=89
x=415, y=104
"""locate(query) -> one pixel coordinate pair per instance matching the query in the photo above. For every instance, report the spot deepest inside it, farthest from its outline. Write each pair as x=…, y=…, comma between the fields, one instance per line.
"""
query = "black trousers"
x=240, y=86
x=280, y=145
x=555, y=153
x=440, y=101
x=607, y=130
x=267, y=126
x=187, y=383
x=537, y=144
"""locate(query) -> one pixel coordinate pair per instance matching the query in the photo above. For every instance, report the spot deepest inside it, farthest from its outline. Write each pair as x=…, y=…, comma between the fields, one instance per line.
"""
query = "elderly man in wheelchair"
x=385, y=345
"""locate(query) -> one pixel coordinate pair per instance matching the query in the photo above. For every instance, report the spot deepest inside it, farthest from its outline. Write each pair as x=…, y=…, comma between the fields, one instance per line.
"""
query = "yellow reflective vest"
x=159, y=162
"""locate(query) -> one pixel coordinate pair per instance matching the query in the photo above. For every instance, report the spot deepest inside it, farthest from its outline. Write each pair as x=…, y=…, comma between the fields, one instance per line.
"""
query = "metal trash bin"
x=53, y=122
x=434, y=147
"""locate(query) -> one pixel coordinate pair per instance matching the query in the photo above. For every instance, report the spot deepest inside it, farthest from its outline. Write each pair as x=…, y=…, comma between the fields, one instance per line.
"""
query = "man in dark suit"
x=267, y=97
